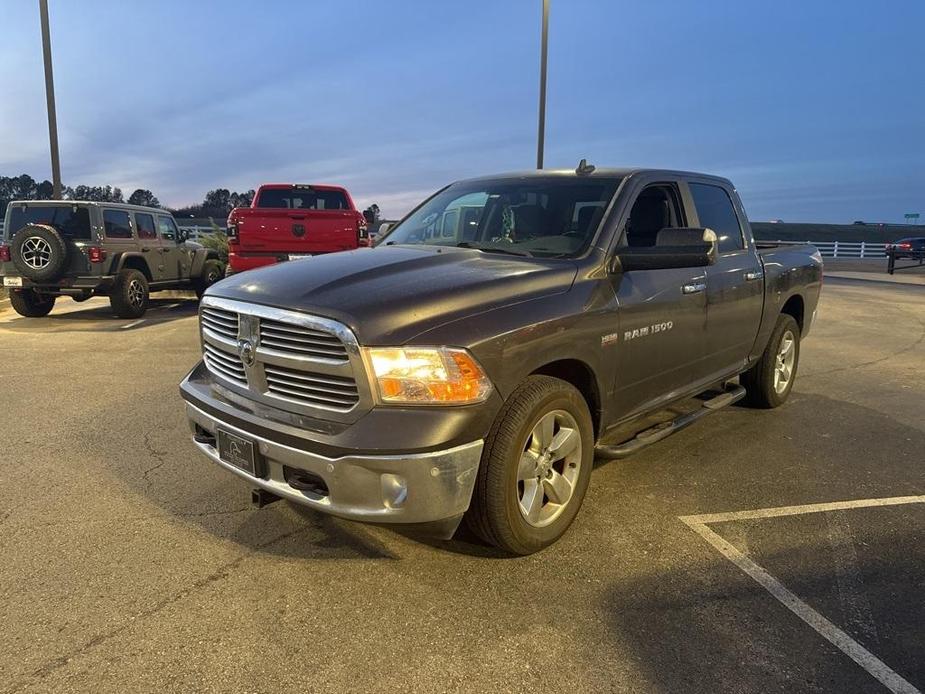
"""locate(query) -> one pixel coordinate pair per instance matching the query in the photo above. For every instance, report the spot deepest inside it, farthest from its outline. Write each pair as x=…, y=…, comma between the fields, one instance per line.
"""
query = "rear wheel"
x=129, y=295
x=769, y=382
x=212, y=272
x=535, y=467
x=31, y=304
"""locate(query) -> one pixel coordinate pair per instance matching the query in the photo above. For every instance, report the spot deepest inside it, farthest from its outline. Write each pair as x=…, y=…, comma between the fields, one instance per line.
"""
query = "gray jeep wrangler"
x=53, y=248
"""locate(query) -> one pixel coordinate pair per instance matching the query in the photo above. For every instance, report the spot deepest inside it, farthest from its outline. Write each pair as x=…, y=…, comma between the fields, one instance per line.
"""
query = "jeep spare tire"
x=39, y=252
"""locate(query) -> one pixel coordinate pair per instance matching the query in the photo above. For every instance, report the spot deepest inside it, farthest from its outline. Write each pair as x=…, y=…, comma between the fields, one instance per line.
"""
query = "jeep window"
x=167, y=227
x=116, y=224
x=546, y=217
x=303, y=199
x=145, y=225
x=717, y=213
x=71, y=222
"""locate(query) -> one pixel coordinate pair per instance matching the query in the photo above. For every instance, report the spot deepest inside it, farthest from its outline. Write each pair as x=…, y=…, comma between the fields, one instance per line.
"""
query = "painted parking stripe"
x=132, y=324
x=829, y=631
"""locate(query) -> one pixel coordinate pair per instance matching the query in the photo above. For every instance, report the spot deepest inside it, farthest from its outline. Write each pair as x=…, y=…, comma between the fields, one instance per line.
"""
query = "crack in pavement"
x=156, y=454
x=219, y=574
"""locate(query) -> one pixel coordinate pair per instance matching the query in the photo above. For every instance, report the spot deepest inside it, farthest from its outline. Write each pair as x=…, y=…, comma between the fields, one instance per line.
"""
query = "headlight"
x=427, y=375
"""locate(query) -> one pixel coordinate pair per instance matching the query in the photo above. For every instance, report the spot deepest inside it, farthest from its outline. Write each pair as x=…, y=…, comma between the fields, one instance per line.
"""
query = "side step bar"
x=732, y=393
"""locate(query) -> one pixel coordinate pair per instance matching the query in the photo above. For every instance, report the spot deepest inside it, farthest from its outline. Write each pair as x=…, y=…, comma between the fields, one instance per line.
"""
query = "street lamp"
x=50, y=99
x=541, y=130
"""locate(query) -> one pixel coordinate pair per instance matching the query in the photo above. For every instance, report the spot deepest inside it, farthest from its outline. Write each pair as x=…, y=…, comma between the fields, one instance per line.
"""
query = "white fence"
x=846, y=249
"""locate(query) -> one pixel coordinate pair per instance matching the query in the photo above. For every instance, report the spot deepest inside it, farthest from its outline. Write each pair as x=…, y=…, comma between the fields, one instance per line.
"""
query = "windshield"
x=303, y=199
x=72, y=222
x=544, y=217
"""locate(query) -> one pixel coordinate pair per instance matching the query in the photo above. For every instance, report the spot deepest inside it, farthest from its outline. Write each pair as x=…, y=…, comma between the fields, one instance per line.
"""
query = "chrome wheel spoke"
x=542, y=432
x=531, y=504
x=566, y=440
x=558, y=488
x=526, y=470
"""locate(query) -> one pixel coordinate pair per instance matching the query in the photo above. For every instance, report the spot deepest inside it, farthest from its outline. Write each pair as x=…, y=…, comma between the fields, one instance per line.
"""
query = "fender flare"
x=132, y=256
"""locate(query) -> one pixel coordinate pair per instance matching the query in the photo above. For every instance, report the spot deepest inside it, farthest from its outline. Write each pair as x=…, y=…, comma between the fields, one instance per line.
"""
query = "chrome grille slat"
x=302, y=396
x=225, y=323
x=348, y=383
x=301, y=340
x=271, y=325
x=306, y=350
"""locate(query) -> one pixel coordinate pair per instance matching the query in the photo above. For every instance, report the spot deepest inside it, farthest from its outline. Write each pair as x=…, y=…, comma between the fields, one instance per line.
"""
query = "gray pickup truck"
x=496, y=340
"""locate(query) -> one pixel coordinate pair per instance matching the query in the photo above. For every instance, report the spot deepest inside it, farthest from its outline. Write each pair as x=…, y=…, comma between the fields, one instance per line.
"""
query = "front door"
x=176, y=258
x=150, y=245
x=662, y=313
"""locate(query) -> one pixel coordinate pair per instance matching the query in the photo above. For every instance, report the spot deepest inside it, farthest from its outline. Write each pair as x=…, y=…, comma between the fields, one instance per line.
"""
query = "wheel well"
x=136, y=263
x=582, y=377
x=794, y=307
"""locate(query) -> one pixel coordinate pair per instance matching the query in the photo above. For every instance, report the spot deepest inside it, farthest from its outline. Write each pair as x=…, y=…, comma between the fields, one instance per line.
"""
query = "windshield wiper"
x=494, y=249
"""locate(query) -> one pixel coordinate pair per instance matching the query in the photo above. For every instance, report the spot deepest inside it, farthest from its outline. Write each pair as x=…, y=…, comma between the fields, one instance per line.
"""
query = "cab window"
x=715, y=210
x=657, y=207
x=145, y=225
x=167, y=228
x=116, y=224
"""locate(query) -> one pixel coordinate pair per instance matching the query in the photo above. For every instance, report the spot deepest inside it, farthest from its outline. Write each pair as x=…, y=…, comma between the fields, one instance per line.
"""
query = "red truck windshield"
x=303, y=199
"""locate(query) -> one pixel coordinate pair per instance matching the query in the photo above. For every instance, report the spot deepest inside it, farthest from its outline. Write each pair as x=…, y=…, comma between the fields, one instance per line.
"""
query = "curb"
x=881, y=278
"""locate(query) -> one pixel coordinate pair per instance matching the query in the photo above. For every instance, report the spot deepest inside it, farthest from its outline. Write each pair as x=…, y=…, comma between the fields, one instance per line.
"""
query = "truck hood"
x=388, y=295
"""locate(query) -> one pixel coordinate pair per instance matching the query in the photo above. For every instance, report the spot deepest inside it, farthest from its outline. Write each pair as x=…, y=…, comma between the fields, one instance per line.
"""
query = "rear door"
x=301, y=220
x=175, y=257
x=735, y=284
x=149, y=244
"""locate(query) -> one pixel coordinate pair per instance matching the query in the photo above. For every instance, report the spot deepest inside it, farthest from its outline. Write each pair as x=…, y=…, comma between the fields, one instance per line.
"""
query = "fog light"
x=394, y=490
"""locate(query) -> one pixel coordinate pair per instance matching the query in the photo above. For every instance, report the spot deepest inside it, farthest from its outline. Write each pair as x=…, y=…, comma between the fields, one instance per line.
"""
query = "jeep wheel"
x=39, y=252
x=212, y=272
x=31, y=304
x=129, y=295
x=769, y=382
x=535, y=467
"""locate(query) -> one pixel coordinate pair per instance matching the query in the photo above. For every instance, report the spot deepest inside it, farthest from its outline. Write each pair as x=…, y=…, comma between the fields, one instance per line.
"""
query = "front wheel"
x=31, y=304
x=769, y=382
x=535, y=467
x=129, y=296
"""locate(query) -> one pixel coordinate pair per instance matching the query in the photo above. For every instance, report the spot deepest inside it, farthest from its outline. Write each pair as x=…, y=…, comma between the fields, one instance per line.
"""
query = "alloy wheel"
x=783, y=366
x=36, y=252
x=548, y=468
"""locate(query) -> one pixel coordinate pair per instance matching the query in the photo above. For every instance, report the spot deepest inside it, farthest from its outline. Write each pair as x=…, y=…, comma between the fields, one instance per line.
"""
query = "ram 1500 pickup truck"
x=495, y=341
x=287, y=221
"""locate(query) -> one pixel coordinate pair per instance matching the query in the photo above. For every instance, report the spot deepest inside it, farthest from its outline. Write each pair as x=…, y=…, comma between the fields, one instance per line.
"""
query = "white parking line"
x=836, y=636
x=132, y=324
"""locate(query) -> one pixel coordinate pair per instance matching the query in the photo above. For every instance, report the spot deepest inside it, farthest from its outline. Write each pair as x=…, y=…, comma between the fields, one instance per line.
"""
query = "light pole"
x=541, y=130
x=50, y=99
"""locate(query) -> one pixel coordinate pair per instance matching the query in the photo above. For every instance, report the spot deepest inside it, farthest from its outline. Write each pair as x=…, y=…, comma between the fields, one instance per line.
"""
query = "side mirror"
x=674, y=248
x=182, y=235
x=383, y=228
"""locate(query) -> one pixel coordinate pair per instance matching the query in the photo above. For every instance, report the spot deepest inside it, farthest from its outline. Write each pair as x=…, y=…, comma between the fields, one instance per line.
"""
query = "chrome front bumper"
x=418, y=488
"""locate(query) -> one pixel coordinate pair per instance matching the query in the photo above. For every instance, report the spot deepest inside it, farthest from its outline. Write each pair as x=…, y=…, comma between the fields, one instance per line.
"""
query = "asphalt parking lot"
x=132, y=564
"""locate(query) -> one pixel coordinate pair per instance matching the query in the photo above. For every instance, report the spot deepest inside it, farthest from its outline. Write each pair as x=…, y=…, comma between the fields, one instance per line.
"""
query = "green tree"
x=144, y=197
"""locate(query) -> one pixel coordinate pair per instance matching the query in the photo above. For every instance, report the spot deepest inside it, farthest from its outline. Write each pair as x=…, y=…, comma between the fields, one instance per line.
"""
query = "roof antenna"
x=584, y=168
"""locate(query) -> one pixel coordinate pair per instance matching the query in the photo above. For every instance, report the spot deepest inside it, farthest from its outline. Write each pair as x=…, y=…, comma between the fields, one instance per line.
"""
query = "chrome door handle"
x=752, y=276
x=693, y=288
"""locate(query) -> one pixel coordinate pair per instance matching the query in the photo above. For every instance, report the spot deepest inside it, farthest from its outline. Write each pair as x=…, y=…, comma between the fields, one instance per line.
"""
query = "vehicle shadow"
x=95, y=315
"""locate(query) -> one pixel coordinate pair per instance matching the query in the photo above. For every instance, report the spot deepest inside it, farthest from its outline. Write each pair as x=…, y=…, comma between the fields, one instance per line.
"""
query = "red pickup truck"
x=287, y=221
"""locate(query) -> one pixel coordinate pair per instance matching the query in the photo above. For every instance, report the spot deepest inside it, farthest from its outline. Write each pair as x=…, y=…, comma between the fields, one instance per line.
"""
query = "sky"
x=814, y=108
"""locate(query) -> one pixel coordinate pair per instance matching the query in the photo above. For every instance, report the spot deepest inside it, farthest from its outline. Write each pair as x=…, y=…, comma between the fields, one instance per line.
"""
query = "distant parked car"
x=860, y=222
x=912, y=247
x=288, y=221
x=53, y=248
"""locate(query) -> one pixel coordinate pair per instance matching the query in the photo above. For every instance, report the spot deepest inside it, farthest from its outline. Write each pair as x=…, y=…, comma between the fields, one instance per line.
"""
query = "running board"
x=733, y=393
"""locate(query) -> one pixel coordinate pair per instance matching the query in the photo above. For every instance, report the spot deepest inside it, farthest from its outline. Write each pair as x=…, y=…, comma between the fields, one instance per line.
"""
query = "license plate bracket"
x=239, y=452
x=12, y=281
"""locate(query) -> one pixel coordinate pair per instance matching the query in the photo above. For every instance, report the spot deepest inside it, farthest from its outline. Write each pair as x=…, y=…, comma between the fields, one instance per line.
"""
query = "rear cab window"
x=116, y=224
x=71, y=221
x=715, y=210
x=302, y=198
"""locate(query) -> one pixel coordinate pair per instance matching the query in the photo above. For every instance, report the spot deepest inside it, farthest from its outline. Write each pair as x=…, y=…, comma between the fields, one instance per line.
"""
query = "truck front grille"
x=292, y=361
x=285, y=337
x=225, y=323
x=302, y=386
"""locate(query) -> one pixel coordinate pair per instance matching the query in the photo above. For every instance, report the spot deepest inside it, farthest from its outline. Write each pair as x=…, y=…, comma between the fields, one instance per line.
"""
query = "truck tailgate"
x=275, y=231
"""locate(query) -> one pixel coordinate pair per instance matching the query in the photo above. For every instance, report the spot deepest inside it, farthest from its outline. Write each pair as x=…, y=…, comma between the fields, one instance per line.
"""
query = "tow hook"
x=261, y=498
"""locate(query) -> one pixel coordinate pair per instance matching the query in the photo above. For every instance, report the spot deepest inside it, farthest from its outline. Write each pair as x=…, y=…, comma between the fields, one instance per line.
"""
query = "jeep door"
x=150, y=245
x=175, y=256
x=660, y=346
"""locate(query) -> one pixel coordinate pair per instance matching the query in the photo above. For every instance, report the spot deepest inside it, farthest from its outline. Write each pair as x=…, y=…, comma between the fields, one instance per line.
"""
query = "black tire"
x=212, y=272
x=39, y=252
x=495, y=513
x=759, y=381
x=31, y=304
x=129, y=294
